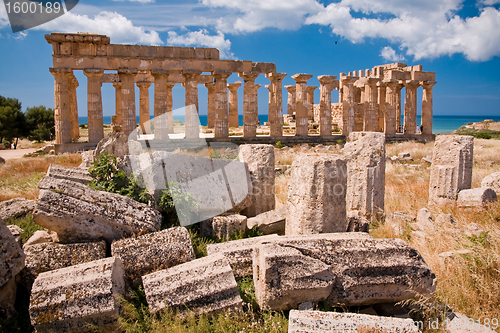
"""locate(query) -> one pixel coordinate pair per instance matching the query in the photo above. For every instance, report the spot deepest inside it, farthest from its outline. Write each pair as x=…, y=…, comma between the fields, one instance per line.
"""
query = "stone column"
x=301, y=124
x=128, y=110
x=211, y=105
x=170, y=104
x=310, y=102
x=390, y=123
x=399, y=86
x=370, y=114
x=233, y=103
x=160, y=104
x=347, y=103
x=410, y=120
x=94, y=104
x=144, y=106
x=291, y=99
x=427, y=107
x=192, y=121
x=276, y=104
x=381, y=107
x=75, y=128
x=325, y=104
x=62, y=112
x=117, y=120
x=249, y=104
x=221, y=105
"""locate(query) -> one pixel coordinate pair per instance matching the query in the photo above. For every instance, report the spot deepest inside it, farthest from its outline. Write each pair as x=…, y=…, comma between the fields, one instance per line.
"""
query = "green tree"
x=40, y=123
x=12, y=120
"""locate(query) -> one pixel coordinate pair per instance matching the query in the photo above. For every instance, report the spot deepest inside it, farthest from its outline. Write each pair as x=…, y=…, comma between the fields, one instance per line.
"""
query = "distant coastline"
x=441, y=124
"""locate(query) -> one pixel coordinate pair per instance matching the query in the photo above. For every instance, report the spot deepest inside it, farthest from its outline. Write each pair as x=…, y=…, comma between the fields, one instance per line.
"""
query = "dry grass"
x=19, y=177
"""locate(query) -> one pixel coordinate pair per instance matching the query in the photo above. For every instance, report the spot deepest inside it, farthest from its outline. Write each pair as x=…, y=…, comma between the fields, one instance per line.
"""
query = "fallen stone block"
x=316, y=195
x=203, y=285
x=87, y=159
x=8, y=299
x=79, y=213
x=72, y=298
x=222, y=227
x=476, y=197
x=155, y=251
x=446, y=220
x=328, y=322
x=271, y=222
x=78, y=175
x=238, y=253
x=16, y=231
x=424, y=221
x=365, y=270
x=11, y=255
x=16, y=208
x=39, y=237
x=356, y=222
x=459, y=323
x=492, y=181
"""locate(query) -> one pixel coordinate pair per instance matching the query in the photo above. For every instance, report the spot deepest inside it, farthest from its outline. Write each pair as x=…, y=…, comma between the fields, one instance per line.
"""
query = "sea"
x=441, y=124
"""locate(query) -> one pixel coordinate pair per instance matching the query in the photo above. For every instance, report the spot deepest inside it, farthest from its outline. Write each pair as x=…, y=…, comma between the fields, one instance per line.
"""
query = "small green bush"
x=279, y=145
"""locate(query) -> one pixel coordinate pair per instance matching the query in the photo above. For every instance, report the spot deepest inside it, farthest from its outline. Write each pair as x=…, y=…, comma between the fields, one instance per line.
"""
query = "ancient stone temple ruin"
x=369, y=100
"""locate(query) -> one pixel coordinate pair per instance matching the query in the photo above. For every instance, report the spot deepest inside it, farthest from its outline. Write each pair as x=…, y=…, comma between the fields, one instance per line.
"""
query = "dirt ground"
x=486, y=125
x=10, y=154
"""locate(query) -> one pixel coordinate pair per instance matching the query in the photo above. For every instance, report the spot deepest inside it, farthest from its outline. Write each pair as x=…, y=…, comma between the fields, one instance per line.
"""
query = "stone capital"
x=248, y=76
x=234, y=86
x=411, y=83
x=326, y=79
x=311, y=89
x=291, y=88
x=428, y=84
x=127, y=71
x=117, y=85
x=191, y=74
x=170, y=85
x=144, y=84
x=275, y=76
x=301, y=77
x=346, y=79
x=210, y=85
x=158, y=73
x=221, y=74
x=73, y=81
x=60, y=71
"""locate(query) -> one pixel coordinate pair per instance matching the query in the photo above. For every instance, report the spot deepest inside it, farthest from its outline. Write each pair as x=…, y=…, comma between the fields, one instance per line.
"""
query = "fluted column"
x=116, y=121
x=170, y=104
x=210, y=105
x=381, y=106
x=291, y=99
x=410, y=119
x=399, y=86
x=347, y=103
x=94, y=104
x=221, y=105
x=427, y=107
x=390, y=122
x=128, y=110
x=62, y=112
x=192, y=121
x=75, y=128
x=249, y=104
x=370, y=114
x=301, y=123
x=325, y=104
x=144, y=106
x=275, y=104
x=160, y=104
x=310, y=102
x=233, y=103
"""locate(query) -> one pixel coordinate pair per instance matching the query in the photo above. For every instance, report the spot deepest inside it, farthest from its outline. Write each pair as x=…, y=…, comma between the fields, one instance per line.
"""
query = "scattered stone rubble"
x=78, y=175
x=271, y=222
x=223, y=226
x=16, y=208
x=476, y=197
x=492, y=181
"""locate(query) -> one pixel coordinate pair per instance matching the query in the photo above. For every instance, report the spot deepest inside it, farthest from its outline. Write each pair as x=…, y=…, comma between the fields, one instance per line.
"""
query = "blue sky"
x=459, y=40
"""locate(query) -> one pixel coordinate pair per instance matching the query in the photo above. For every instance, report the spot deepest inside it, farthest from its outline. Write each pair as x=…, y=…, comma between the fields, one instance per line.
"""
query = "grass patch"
x=27, y=224
x=478, y=133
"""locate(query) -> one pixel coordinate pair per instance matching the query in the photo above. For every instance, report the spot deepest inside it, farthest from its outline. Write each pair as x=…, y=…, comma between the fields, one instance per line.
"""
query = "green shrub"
x=482, y=135
x=27, y=224
x=279, y=145
x=184, y=202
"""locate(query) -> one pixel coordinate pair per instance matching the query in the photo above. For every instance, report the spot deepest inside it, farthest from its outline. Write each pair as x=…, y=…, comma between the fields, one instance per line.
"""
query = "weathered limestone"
x=233, y=103
x=275, y=103
x=203, y=285
x=325, y=103
x=94, y=104
x=8, y=299
x=127, y=92
x=332, y=322
x=301, y=116
x=221, y=105
x=316, y=195
x=16, y=208
x=260, y=160
x=11, y=255
x=192, y=121
x=381, y=103
x=370, y=107
x=73, y=105
x=365, y=156
x=78, y=175
x=451, y=169
x=161, y=123
x=80, y=213
x=492, y=181
x=476, y=197
x=16, y=231
x=238, y=253
x=271, y=222
x=155, y=251
x=249, y=104
x=390, y=123
x=342, y=268
x=347, y=101
x=222, y=227
x=310, y=102
x=144, y=107
x=427, y=107
x=356, y=222
x=117, y=120
x=410, y=117
x=211, y=105
x=115, y=144
x=71, y=298
x=39, y=237
x=292, y=98
x=62, y=109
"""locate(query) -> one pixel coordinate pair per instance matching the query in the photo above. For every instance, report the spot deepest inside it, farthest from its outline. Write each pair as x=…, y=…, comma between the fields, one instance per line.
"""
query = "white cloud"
x=489, y=2
x=389, y=54
x=142, y=1
x=112, y=24
x=21, y=35
x=202, y=38
x=4, y=19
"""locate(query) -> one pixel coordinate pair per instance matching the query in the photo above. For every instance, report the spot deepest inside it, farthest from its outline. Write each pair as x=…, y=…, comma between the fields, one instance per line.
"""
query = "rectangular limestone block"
x=11, y=255
x=238, y=253
x=203, y=285
x=365, y=155
x=476, y=197
x=366, y=270
x=155, y=251
x=333, y=322
x=15, y=208
x=451, y=169
x=72, y=298
x=271, y=222
x=316, y=195
x=78, y=213
x=222, y=227
x=79, y=175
